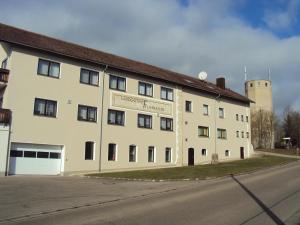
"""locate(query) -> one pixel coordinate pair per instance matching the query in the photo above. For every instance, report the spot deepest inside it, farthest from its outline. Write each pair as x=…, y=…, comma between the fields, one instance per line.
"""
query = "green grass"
x=201, y=171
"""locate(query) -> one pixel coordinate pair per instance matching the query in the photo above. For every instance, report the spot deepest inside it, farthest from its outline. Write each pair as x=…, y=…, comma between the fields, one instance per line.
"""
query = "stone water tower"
x=259, y=91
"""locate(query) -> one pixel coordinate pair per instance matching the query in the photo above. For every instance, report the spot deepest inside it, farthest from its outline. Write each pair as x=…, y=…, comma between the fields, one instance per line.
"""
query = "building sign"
x=141, y=104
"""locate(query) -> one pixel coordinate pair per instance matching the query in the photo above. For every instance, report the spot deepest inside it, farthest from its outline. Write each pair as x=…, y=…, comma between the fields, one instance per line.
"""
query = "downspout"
x=8, y=147
x=219, y=95
x=102, y=110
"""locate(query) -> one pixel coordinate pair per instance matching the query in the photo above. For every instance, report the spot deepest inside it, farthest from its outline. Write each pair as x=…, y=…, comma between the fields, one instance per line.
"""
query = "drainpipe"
x=216, y=99
x=102, y=110
x=8, y=147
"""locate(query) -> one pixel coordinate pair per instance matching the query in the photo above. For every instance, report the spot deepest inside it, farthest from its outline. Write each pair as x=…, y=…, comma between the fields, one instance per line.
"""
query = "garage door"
x=35, y=159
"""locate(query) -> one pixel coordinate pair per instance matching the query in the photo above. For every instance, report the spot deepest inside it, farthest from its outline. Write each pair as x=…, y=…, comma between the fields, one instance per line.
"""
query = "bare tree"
x=291, y=126
x=262, y=128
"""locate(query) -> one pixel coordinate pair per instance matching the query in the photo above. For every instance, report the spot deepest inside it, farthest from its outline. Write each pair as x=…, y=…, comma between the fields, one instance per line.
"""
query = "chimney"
x=220, y=81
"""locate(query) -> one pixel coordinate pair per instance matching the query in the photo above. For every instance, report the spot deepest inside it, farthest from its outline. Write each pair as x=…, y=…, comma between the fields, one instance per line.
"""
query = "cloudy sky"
x=187, y=36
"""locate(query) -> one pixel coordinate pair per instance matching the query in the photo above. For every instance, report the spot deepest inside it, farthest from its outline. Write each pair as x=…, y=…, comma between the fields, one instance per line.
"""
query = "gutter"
x=216, y=99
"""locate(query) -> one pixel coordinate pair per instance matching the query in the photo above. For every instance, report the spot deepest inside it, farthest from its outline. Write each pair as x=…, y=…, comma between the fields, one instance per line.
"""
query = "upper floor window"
x=266, y=84
x=237, y=117
x=205, y=110
x=247, y=119
x=204, y=152
x=242, y=133
x=117, y=83
x=222, y=134
x=44, y=107
x=166, y=93
x=116, y=117
x=242, y=118
x=89, y=77
x=237, y=134
x=247, y=134
x=203, y=131
x=144, y=121
x=188, y=106
x=221, y=113
x=166, y=124
x=87, y=113
x=89, y=150
x=48, y=68
x=145, y=89
x=251, y=85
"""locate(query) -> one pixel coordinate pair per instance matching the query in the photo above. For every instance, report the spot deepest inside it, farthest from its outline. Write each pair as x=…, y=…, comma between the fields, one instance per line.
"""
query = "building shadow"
x=265, y=208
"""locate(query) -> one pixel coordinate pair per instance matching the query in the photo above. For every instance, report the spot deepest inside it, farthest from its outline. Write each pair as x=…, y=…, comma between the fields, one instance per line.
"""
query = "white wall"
x=4, y=135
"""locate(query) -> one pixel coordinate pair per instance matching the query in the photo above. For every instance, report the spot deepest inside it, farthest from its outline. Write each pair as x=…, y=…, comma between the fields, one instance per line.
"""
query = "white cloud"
x=283, y=19
x=205, y=35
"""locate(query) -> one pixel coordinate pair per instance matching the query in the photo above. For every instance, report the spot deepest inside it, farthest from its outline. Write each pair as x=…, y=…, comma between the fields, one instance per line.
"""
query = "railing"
x=4, y=75
x=5, y=116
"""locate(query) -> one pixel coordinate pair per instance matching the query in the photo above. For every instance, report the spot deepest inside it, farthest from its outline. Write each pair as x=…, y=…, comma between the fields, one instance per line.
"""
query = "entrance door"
x=191, y=157
x=242, y=153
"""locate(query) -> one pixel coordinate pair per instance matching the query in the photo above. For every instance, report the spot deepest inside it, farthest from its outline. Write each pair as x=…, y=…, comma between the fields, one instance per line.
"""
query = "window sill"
x=167, y=130
x=94, y=85
x=148, y=96
x=167, y=100
x=46, y=75
x=117, y=90
x=148, y=128
x=40, y=115
x=89, y=121
x=114, y=124
x=200, y=136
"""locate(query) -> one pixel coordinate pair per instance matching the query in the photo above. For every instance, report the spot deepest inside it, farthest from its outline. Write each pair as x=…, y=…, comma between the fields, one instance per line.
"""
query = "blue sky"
x=187, y=36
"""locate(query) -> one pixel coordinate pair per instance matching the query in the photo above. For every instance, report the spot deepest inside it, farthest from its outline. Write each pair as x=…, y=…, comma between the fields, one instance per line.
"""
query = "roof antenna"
x=245, y=72
x=269, y=74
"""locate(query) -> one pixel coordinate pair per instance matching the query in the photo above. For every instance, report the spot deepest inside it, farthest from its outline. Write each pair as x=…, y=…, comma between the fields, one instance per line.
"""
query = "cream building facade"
x=67, y=109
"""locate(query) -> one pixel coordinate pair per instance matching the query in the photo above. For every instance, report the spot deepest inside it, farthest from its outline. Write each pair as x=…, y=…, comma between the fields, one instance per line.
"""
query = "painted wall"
x=65, y=130
x=191, y=121
x=131, y=134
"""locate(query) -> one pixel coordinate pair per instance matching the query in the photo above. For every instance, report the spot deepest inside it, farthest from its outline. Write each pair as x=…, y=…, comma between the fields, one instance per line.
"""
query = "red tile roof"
x=40, y=42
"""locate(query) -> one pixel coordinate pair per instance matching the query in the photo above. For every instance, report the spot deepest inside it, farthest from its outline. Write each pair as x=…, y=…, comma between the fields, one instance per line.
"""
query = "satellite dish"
x=202, y=75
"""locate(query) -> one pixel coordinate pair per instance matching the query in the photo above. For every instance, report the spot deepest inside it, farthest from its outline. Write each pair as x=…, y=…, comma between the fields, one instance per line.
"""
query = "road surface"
x=270, y=196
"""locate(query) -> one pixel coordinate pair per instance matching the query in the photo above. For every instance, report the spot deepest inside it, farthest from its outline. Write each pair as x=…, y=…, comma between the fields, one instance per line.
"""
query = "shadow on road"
x=272, y=215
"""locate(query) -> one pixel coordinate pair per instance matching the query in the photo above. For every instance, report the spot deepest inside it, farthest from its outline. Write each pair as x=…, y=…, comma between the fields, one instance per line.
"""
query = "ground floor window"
x=89, y=150
x=227, y=153
x=112, y=151
x=132, y=153
x=204, y=152
x=151, y=154
x=168, y=155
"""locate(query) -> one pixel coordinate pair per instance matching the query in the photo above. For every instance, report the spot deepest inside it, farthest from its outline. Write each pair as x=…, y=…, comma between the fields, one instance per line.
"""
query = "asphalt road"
x=269, y=196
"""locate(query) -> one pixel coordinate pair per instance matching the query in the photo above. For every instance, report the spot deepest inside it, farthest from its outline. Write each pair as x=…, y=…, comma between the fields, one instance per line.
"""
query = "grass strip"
x=201, y=171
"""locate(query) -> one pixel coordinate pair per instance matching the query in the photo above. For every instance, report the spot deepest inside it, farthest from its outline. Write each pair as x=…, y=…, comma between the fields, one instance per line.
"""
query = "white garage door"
x=35, y=159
